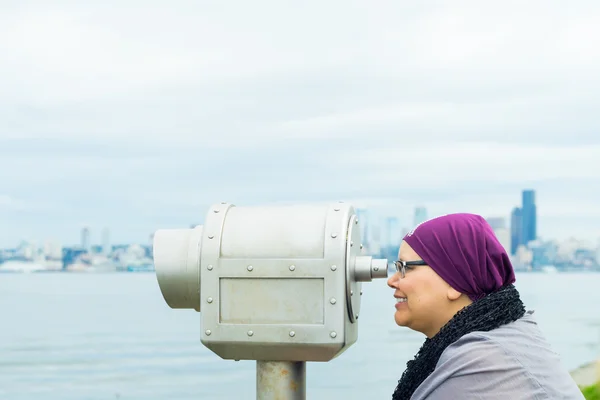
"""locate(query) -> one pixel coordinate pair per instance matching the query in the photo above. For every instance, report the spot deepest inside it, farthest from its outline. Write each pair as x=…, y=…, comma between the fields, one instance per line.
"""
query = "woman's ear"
x=453, y=294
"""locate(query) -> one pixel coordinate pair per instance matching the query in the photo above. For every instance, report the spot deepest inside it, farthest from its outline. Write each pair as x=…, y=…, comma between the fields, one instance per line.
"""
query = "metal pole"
x=280, y=380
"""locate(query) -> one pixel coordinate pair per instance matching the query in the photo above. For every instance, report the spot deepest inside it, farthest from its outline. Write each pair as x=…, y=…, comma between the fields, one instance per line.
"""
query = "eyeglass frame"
x=401, y=265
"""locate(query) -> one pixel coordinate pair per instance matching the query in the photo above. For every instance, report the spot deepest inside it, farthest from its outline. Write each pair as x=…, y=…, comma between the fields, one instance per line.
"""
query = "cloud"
x=463, y=70
x=514, y=120
x=489, y=162
x=11, y=204
x=303, y=170
x=5, y=200
x=145, y=116
x=71, y=56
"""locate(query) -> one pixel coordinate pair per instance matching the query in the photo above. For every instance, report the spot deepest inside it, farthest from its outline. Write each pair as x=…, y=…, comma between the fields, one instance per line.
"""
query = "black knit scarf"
x=490, y=312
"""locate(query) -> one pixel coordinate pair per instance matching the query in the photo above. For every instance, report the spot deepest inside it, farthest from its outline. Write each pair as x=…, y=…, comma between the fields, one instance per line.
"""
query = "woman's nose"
x=393, y=279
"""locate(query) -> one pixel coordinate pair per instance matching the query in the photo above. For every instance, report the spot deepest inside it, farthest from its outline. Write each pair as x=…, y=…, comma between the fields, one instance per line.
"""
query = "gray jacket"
x=511, y=362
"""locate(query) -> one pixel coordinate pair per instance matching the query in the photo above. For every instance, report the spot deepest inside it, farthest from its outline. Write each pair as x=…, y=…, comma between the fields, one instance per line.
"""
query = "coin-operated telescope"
x=280, y=285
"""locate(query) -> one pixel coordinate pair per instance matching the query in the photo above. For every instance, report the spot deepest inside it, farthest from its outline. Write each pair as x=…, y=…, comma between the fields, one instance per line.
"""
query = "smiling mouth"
x=401, y=300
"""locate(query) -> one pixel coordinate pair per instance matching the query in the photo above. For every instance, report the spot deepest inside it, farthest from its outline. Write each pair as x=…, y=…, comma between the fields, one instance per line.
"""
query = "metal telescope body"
x=277, y=284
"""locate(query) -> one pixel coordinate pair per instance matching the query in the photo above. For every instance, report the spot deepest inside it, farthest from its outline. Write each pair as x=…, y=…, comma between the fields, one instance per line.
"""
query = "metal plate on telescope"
x=353, y=288
x=210, y=266
x=312, y=326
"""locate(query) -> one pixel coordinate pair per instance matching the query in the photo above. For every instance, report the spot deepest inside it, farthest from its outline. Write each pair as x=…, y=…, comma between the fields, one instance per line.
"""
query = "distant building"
x=70, y=255
x=496, y=222
x=106, y=248
x=524, y=256
x=516, y=230
x=27, y=251
x=85, y=239
x=420, y=216
x=53, y=250
x=523, y=222
x=503, y=235
x=543, y=253
x=529, y=217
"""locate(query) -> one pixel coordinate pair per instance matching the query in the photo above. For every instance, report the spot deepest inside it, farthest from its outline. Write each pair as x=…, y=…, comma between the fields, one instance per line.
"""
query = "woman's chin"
x=400, y=318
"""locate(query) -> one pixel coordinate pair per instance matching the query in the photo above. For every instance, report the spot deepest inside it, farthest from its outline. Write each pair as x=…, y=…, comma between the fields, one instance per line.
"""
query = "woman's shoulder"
x=476, y=349
x=508, y=345
x=509, y=342
x=514, y=359
x=477, y=365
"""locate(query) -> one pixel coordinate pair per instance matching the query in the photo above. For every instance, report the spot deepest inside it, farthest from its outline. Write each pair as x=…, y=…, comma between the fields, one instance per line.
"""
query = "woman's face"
x=425, y=304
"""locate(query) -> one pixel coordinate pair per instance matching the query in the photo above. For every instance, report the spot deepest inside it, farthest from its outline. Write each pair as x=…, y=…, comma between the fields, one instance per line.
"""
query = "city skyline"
x=107, y=121
x=384, y=224
x=380, y=237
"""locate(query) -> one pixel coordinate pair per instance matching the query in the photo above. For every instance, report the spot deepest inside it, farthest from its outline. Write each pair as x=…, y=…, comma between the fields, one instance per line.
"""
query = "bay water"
x=111, y=336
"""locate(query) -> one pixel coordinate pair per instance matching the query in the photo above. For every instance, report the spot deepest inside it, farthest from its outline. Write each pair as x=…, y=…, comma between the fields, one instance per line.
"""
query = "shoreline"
x=587, y=374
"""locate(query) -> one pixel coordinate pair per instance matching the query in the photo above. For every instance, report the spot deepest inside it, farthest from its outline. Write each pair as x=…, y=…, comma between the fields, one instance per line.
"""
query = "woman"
x=455, y=285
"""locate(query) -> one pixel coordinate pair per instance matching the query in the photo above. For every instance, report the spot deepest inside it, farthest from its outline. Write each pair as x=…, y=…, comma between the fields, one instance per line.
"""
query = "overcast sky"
x=139, y=115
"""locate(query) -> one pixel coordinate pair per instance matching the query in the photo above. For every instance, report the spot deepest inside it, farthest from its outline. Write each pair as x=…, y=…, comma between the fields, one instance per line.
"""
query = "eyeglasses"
x=401, y=266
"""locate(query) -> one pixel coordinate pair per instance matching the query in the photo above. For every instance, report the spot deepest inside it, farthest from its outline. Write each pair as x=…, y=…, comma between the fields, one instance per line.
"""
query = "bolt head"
x=351, y=243
x=334, y=235
x=352, y=293
x=209, y=300
x=333, y=267
x=211, y=236
x=361, y=292
x=292, y=333
x=210, y=267
x=250, y=333
x=208, y=332
x=332, y=300
x=333, y=334
x=216, y=210
x=250, y=268
x=292, y=267
x=375, y=269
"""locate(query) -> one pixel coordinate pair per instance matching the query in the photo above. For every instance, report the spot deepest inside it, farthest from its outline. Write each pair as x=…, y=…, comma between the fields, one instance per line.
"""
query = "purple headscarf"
x=464, y=251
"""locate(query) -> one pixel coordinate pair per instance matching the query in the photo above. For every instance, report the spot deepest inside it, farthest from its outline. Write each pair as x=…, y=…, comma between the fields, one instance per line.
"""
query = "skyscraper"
x=106, y=248
x=523, y=223
x=85, y=239
x=529, y=217
x=516, y=229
